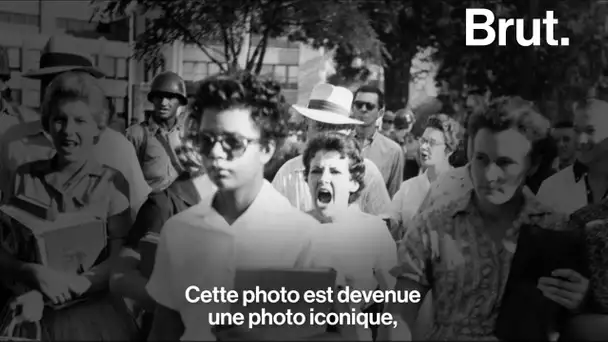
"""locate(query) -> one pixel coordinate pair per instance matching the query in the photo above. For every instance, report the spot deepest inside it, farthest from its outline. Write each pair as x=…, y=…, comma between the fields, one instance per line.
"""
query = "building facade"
x=27, y=28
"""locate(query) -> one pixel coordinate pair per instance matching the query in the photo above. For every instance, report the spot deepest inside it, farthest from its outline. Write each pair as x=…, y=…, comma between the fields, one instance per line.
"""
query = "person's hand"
x=565, y=287
x=78, y=284
x=54, y=285
x=29, y=306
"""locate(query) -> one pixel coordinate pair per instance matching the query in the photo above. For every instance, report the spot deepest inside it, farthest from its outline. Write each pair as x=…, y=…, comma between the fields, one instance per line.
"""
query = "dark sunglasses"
x=361, y=105
x=233, y=144
x=388, y=121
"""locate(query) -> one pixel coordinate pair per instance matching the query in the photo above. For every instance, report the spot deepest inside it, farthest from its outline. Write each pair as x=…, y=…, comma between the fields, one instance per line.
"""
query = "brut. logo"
x=503, y=29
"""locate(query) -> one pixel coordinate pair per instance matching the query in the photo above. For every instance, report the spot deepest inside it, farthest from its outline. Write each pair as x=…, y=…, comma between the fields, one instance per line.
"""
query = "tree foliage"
x=226, y=30
x=541, y=73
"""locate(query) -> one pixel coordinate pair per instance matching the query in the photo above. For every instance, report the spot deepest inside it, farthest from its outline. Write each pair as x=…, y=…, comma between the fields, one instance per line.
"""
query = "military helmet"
x=168, y=83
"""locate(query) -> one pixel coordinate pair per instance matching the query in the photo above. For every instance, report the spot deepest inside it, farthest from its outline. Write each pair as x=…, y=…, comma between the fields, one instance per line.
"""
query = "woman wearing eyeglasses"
x=440, y=139
x=240, y=123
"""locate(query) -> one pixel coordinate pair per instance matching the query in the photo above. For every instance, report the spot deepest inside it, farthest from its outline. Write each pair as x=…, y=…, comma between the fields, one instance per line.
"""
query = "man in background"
x=388, y=120
x=565, y=137
x=368, y=107
x=329, y=109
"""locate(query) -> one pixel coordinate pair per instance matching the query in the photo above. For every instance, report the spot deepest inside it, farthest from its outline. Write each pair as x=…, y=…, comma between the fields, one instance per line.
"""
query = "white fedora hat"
x=329, y=104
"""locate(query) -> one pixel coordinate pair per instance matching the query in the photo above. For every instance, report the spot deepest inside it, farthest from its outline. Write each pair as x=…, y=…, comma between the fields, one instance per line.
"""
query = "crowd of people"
x=499, y=221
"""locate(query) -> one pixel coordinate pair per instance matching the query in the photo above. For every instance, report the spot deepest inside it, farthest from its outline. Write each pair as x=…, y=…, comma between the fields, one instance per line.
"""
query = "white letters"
x=471, y=26
x=190, y=299
x=503, y=29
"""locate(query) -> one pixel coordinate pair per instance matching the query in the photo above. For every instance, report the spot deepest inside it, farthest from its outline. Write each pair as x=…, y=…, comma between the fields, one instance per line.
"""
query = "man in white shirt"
x=329, y=109
x=586, y=180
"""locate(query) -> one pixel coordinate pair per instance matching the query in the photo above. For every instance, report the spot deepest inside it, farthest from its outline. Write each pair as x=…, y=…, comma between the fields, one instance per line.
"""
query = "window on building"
x=19, y=19
x=215, y=69
x=150, y=72
x=200, y=71
x=121, y=104
x=267, y=70
x=292, y=77
x=280, y=74
x=107, y=65
x=196, y=71
x=16, y=96
x=14, y=58
x=121, y=68
x=76, y=25
x=31, y=98
x=31, y=59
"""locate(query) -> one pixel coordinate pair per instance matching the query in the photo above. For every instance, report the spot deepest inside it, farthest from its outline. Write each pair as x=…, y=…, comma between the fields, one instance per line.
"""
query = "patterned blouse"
x=447, y=250
x=596, y=239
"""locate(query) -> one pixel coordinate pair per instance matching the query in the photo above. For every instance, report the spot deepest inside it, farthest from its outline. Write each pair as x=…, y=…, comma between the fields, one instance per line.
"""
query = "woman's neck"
x=433, y=171
x=337, y=216
x=503, y=212
x=69, y=166
x=232, y=204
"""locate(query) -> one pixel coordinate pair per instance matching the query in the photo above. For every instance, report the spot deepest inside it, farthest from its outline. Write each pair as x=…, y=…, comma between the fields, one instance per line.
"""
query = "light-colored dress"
x=96, y=188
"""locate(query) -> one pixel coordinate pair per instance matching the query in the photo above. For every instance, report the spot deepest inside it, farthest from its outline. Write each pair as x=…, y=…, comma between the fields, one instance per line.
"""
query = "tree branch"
x=186, y=32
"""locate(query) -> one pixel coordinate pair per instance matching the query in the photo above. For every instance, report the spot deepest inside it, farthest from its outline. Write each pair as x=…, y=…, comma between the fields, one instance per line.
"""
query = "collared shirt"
x=198, y=247
x=408, y=199
x=567, y=191
x=289, y=181
x=160, y=161
x=388, y=157
x=448, y=186
x=448, y=249
x=28, y=142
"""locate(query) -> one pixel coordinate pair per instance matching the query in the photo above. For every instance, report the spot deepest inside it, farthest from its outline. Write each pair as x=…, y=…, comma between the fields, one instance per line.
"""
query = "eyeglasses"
x=361, y=105
x=388, y=121
x=430, y=142
x=233, y=144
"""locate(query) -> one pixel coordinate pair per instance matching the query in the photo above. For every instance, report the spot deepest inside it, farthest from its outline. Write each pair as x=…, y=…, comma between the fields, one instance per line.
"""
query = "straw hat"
x=329, y=104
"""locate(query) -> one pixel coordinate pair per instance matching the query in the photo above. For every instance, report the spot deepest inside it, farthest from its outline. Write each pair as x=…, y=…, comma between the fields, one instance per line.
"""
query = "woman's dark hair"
x=76, y=86
x=513, y=113
x=347, y=147
x=242, y=89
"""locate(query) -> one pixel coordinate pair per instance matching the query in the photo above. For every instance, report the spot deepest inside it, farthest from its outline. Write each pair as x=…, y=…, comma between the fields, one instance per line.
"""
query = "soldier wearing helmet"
x=157, y=139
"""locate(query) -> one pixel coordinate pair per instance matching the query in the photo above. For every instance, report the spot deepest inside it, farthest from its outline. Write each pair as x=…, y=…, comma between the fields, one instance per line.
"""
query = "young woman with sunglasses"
x=240, y=123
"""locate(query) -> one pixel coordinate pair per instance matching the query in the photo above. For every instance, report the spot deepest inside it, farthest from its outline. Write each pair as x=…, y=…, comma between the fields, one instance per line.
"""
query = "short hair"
x=451, y=129
x=327, y=127
x=76, y=86
x=242, y=89
x=513, y=113
x=564, y=124
x=372, y=89
x=347, y=147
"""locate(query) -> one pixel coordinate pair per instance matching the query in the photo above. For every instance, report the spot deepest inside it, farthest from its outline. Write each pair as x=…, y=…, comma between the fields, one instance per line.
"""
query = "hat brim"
x=50, y=71
x=326, y=117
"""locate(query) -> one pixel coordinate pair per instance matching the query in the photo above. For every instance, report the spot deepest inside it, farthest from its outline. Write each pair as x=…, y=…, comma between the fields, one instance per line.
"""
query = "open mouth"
x=324, y=196
x=67, y=143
